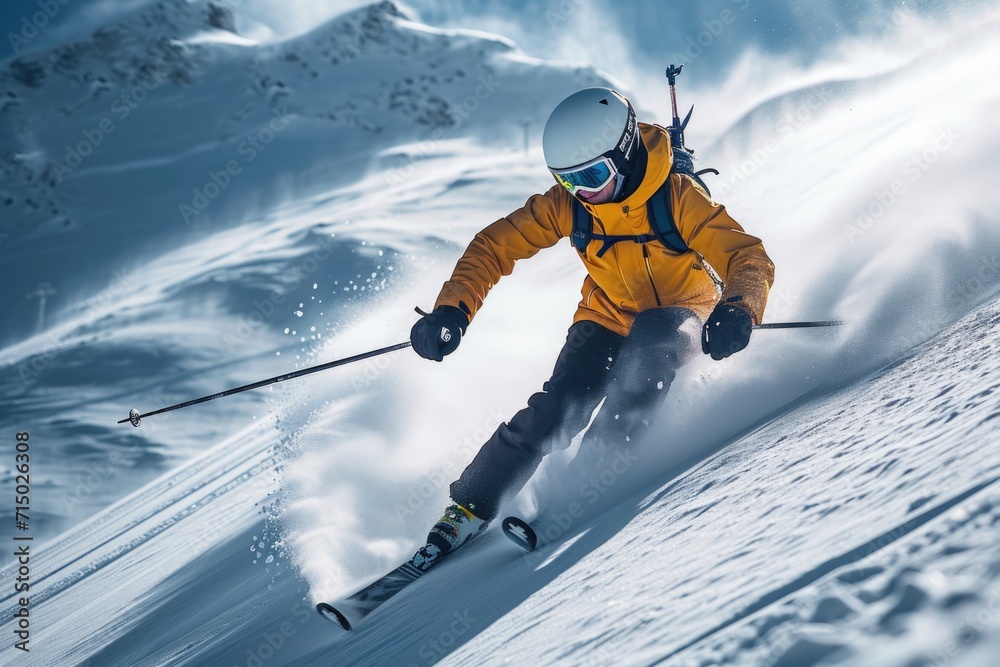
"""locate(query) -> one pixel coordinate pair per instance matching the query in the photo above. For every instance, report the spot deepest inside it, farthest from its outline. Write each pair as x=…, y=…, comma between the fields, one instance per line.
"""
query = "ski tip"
x=520, y=533
x=330, y=613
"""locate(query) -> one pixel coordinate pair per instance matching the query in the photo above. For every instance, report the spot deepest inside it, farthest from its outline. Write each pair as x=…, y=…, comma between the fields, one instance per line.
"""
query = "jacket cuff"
x=738, y=301
x=454, y=316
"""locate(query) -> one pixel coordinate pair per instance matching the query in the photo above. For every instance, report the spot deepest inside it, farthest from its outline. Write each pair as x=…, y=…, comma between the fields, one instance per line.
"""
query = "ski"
x=350, y=611
x=520, y=533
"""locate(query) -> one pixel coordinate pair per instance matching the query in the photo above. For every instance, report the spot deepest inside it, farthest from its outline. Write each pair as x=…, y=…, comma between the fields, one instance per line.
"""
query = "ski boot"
x=455, y=528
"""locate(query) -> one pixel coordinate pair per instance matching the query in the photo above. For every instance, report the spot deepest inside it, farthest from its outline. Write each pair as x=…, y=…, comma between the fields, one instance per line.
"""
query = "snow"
x=221, y=37
x=825, y=497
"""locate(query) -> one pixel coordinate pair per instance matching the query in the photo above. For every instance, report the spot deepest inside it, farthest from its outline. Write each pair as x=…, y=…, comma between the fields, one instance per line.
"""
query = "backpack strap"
x=661, y=219
x=583, y=232
x=583, y=226
x=609, y=241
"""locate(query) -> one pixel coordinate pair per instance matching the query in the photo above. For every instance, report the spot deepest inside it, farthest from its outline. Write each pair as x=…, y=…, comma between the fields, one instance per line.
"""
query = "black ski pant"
x=633, y=374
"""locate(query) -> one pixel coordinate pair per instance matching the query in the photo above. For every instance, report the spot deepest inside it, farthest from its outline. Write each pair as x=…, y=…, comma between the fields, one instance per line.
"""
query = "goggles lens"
x=593, y=176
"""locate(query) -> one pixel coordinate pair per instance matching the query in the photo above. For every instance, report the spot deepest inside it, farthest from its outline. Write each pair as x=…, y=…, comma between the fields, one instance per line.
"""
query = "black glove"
x=438, y=334
x=726, y=332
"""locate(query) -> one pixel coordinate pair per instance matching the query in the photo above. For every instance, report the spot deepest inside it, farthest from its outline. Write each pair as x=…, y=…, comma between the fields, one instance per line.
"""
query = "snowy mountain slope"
x=107, y=563
x=849, y=523
x=870, y=278
x=357, y=84
x=197, y=275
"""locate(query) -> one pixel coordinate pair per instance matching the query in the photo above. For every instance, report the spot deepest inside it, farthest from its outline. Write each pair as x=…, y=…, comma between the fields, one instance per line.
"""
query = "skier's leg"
x=553, y=417
x=660, y=341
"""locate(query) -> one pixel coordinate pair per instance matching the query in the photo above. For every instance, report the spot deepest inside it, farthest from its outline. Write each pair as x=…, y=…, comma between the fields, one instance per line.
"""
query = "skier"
x=646, y=299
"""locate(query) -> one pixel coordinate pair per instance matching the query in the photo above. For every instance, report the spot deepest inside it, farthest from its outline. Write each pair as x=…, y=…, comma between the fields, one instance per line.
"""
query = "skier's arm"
x=738, y=257
x=539, y=224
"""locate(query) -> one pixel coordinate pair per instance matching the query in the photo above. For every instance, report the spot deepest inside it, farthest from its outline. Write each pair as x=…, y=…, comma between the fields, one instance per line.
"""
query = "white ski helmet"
x=591, y=139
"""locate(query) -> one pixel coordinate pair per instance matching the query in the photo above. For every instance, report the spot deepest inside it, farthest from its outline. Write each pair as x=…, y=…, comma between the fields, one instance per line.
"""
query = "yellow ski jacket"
x=723, y=261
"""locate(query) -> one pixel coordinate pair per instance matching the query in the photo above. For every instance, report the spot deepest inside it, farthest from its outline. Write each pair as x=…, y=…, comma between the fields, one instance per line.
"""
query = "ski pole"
x=134, y=417
x=672, y=74
x=799, y=325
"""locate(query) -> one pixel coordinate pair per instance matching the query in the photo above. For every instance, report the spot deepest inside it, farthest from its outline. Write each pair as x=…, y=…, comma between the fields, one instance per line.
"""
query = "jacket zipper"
x=649, y=272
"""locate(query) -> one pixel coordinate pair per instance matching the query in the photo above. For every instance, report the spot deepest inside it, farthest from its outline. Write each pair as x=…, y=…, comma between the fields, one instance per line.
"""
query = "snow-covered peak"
x=123, y=51
x=374, y=70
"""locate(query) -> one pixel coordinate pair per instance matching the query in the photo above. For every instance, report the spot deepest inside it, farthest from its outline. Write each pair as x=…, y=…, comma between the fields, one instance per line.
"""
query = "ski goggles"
x=591, y=176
